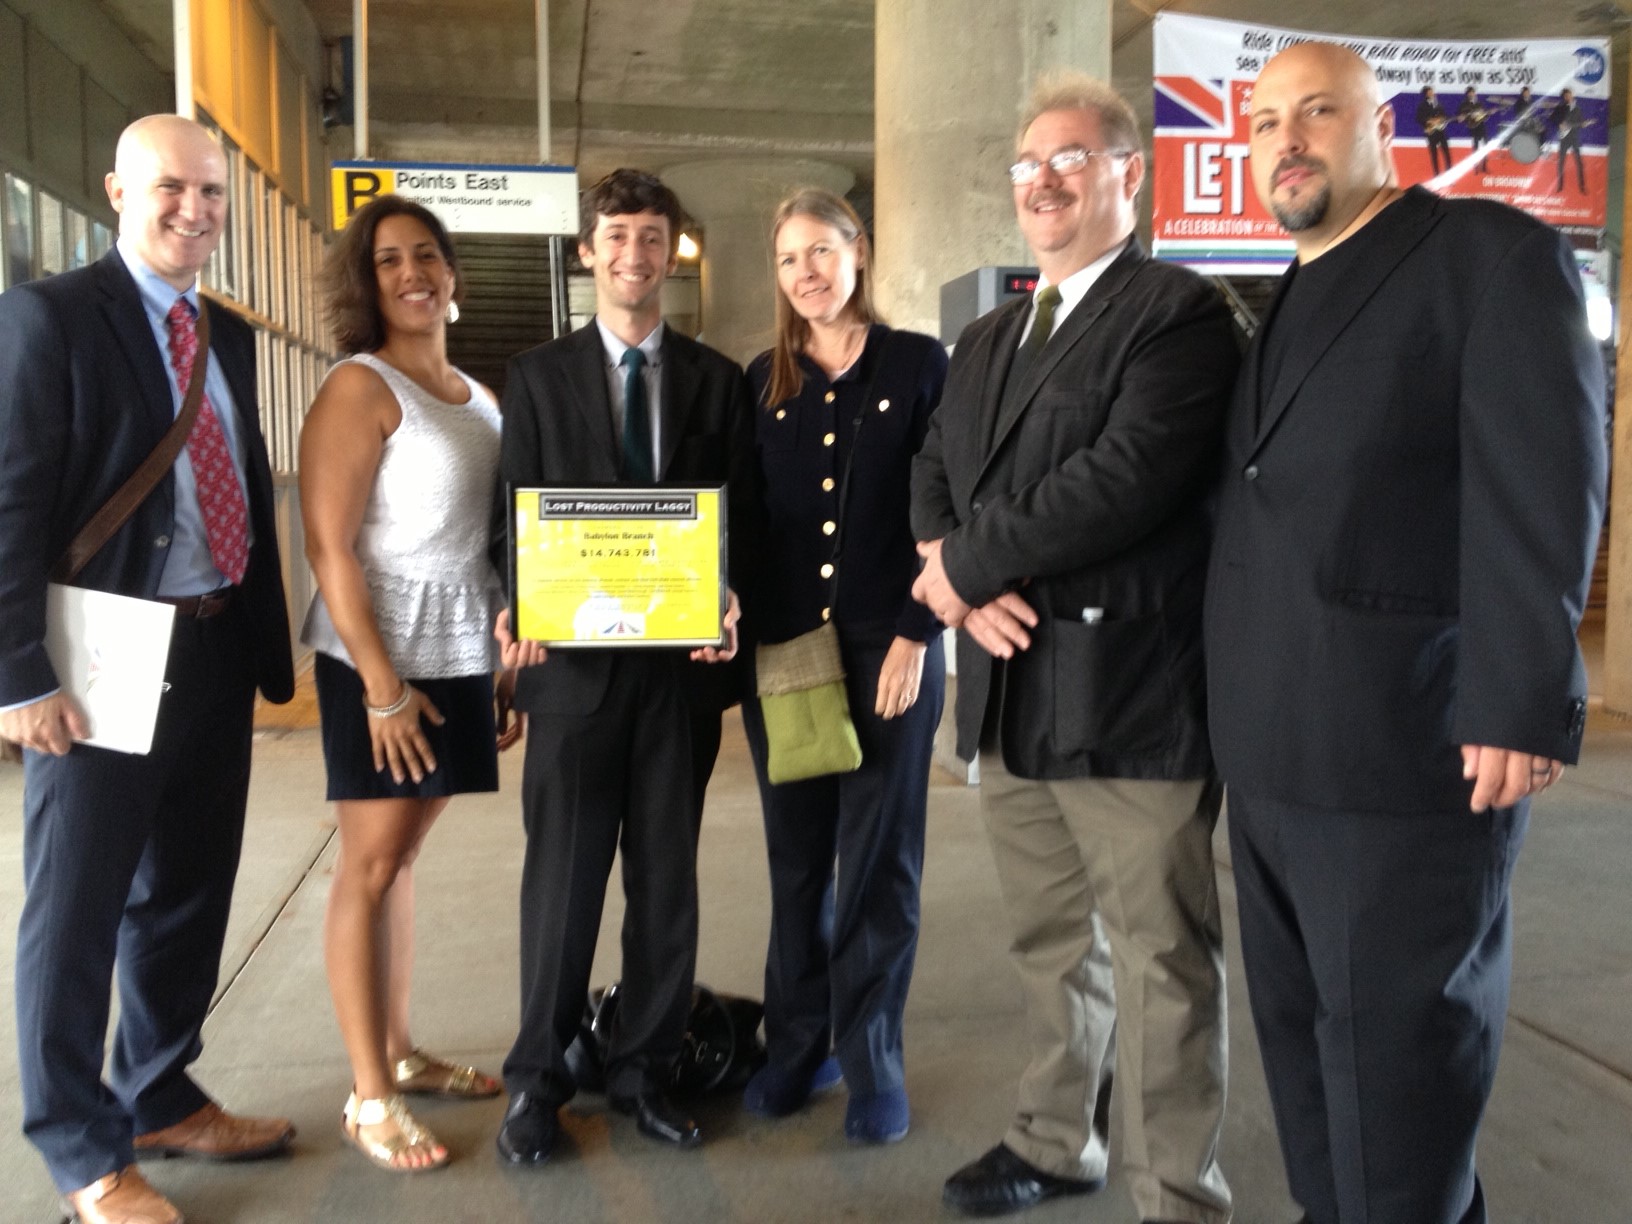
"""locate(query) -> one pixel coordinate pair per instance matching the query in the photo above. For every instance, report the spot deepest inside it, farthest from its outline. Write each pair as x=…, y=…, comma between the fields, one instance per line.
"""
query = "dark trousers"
x=1439, y=146
x=846, y=856
x=1378, y=953
x=1571, y=144
x=131, y=860
x=705, y=751
x=620, y=777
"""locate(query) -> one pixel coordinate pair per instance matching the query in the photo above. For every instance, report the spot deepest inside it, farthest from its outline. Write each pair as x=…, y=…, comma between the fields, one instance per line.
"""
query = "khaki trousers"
x=1113, y=909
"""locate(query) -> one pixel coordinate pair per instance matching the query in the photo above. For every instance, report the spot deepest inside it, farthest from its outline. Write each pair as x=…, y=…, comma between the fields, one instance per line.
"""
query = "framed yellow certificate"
x=618, y=566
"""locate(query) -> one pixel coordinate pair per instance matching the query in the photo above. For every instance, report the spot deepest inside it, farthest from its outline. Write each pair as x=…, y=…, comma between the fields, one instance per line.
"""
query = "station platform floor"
x=1556, y=1148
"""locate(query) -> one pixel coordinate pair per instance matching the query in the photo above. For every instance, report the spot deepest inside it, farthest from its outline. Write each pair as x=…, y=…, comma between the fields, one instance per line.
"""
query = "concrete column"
x=733, y=199
x=950, y=77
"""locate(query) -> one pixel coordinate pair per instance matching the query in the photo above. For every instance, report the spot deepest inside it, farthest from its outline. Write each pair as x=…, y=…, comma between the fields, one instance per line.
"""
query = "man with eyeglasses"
x=1058, y=501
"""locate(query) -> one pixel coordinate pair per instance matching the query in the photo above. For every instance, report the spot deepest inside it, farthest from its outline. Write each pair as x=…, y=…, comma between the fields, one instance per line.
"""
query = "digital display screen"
x=1019, y=282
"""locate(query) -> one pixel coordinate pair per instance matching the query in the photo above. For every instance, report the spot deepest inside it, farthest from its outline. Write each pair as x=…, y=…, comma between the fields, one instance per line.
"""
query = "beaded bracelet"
x=395, y=708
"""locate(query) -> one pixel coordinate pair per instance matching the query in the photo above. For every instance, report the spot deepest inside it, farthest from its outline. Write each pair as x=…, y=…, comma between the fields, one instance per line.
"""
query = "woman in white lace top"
x=398, y=462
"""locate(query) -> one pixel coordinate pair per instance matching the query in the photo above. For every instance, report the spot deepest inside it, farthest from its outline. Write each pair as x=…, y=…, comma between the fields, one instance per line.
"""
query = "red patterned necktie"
x=220, y=498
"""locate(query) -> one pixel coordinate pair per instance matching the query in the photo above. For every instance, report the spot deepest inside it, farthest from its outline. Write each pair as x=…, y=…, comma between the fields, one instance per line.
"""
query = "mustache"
x=1295, y=163
x=1049, y=195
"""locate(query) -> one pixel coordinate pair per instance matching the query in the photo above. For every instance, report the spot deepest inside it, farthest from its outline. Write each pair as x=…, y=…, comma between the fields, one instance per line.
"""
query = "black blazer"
x=1405, y=540
x=558, y=430
x=84, y=398
x=1087, y=492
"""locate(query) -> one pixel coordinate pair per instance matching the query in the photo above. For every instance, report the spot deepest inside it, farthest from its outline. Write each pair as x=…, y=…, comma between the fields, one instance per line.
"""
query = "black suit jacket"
x=1466, y=112
x=1407, y=529
x=83, y=400
x=558, y=430
x=1085, y=489
x=1567, y=120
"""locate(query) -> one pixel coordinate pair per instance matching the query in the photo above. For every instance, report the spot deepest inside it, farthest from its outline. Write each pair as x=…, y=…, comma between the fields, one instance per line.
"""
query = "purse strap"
x=118, y=508
x=850, y=462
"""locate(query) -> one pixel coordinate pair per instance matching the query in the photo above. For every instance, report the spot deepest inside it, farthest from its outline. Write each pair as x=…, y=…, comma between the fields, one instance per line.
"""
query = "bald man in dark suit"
x=1407, y=521
x=133, y=857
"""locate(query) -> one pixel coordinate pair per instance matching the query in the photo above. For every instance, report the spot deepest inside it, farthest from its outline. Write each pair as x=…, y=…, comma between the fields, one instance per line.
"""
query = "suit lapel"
x=238, y=379
x=126, y=317
x=586, y=382
x=1249, y=382
x=679, y=392
x=1071, y=331
x=1000, y=343
x=1402, y=231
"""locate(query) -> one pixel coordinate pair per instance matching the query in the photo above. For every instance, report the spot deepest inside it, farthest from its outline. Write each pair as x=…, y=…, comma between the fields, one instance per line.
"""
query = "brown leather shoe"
x=120, y=1198
x=214, y=1134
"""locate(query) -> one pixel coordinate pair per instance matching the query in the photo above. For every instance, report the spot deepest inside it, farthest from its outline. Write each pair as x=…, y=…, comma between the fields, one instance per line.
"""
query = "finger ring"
x=1538, y=770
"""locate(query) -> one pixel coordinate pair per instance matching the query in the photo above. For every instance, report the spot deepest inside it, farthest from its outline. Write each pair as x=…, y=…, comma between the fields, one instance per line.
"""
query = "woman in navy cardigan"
x=842, y=392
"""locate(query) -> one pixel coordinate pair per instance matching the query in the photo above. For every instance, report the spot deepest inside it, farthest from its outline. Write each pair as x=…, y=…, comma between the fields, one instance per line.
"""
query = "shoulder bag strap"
x=118, y=508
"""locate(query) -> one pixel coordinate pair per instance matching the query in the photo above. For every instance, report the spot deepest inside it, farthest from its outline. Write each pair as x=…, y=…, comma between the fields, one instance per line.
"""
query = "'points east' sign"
x=468, y=198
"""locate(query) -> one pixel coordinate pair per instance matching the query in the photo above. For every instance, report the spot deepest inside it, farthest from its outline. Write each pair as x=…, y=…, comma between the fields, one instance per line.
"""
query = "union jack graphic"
x=1194, y=105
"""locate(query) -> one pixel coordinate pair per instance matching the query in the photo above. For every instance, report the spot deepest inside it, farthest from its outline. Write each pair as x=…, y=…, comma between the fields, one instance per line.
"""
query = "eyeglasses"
x=1066, y=161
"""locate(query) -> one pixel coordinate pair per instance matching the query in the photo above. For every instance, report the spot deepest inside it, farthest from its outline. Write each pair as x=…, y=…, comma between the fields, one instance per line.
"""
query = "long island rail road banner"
x=1524, y=122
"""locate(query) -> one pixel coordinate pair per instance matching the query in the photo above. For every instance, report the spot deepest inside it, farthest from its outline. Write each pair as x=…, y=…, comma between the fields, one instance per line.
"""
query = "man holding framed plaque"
x=615, y=438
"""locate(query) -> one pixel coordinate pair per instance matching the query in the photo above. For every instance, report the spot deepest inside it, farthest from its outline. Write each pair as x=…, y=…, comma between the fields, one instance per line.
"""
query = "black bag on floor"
x=721, y=1048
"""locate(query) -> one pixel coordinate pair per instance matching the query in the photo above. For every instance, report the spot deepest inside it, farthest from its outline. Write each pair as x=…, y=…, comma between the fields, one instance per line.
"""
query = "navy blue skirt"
x=464, y=745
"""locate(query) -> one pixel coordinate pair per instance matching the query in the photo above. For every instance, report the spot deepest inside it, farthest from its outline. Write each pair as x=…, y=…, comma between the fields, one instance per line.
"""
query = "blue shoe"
x=881, y=1117
x=776, y=1092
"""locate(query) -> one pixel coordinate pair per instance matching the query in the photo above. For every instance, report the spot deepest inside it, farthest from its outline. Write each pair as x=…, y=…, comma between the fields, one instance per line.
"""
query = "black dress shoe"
x=1000, y=1182
x=659, y=1118
x=529, y=1130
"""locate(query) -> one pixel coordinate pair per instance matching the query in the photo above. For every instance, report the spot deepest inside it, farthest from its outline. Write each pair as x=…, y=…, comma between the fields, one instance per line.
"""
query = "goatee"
x=1295, y=217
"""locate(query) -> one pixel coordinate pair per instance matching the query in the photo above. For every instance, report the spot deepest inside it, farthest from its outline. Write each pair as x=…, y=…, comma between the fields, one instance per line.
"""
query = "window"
x=18, y=207
x=277, y=267
x=266, y=263
x=79, y=239
x=53, y=258
x=254, y=245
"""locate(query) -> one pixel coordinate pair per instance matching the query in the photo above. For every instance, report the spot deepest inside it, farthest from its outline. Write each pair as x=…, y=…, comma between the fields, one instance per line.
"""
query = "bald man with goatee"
x=131, y=857
x=1406, y=525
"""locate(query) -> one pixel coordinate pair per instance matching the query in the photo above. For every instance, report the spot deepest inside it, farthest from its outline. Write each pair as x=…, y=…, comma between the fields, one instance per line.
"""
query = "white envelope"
x=109, y=652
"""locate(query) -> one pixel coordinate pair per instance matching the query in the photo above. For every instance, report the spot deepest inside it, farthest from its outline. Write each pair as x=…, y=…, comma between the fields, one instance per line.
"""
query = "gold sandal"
x=408, y=1134
x=427, y=1075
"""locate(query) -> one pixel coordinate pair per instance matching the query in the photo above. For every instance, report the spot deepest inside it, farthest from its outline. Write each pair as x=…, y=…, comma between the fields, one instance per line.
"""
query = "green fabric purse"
x=805, y=708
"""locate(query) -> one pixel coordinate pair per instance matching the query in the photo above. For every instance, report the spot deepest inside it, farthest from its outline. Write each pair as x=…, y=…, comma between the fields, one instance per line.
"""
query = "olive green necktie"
x=1048, y=297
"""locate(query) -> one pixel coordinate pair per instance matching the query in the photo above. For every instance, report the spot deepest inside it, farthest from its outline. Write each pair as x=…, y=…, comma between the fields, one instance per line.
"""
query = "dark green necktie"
x=1048, y=297
x=637, y=421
